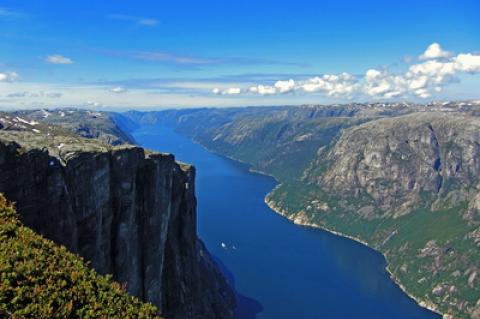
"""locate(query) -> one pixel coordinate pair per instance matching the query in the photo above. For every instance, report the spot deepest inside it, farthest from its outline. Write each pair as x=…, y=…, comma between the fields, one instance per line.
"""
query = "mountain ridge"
x=249, y=136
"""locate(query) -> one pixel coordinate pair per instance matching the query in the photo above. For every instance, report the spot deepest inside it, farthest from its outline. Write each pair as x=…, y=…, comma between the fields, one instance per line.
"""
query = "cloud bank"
x=434, y=69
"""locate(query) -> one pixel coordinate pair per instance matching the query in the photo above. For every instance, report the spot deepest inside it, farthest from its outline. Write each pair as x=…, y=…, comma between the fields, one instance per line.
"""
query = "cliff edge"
x=131, y=213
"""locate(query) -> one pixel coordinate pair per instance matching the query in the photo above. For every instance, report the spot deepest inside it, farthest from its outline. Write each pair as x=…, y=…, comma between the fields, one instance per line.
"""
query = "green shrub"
x=39, y=279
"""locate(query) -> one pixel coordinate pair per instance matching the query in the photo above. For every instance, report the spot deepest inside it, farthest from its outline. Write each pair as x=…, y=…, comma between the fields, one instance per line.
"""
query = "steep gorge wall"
x=130, y=214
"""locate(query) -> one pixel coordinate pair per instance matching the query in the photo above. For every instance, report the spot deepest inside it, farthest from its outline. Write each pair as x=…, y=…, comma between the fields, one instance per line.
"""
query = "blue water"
x=282, y=270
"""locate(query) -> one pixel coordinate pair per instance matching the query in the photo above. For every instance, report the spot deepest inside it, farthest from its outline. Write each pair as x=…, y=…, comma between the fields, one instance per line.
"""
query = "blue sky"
x=223, y=53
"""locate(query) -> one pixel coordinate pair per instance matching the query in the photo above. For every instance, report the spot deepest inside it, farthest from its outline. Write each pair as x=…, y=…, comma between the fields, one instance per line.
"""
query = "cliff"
x=131, y=213
x=401, y=178
x=397, y=162
x=43, y=280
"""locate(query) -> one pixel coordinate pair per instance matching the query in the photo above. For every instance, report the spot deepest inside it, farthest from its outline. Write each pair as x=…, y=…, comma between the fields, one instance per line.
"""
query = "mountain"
x=401, y=178
x=84, y=123
x=268, y=138
x=409, y=187
x=130, y=212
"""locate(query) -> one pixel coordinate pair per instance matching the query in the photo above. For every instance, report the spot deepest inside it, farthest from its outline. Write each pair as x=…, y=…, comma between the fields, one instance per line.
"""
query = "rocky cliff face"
x=397, y=162
x=130, y=213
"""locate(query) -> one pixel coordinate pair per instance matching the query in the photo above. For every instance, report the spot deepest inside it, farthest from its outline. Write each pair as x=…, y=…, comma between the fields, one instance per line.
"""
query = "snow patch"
x=25, y=121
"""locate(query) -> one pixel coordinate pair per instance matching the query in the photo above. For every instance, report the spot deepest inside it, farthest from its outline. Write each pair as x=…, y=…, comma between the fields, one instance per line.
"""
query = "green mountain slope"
x=402, y=179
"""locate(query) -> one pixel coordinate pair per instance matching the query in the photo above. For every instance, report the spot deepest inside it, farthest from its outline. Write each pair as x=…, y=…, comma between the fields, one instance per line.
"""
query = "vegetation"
x=279, y=141
x=427, y=251
x=39, y=279
x=432, y=251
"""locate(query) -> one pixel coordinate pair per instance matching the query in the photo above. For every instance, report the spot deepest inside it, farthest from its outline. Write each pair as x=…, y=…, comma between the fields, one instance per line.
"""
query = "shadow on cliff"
x=247, y=308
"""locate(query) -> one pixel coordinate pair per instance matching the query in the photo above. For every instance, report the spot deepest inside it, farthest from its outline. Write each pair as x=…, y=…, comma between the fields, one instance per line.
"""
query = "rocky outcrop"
x=131, y=213
x=85, y=123
x=398, y=161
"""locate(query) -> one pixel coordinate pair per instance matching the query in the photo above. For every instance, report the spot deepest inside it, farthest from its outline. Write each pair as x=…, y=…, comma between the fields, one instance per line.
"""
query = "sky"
x=158, y=54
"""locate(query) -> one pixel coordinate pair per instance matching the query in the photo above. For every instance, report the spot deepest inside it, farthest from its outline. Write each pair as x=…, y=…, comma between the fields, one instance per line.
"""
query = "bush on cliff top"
x=39, y=279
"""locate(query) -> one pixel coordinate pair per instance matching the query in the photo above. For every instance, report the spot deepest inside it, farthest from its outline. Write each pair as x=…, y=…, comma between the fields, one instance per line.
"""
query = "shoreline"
x=422, y=303
x=278, y=210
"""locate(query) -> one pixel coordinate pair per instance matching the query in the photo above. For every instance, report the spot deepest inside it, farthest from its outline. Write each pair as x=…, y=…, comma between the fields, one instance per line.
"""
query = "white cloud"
x=436, y=69
x=418, y=83
x=422, y=93
x=228, y=91
x=285, y=86
x=343, y=84
x=233, y=91
x=58, y=59
x=468, y=63
x=330, y=84
x=372, y=74
x=435, y=51
x=263, y=89
x=118, y=89
x=8, y=76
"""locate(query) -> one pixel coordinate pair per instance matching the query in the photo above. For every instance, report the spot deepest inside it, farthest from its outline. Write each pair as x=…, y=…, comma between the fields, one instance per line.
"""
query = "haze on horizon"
x=183, y=54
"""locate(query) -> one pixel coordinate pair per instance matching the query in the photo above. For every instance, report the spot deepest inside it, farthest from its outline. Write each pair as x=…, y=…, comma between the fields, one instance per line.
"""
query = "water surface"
x=291, y=271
